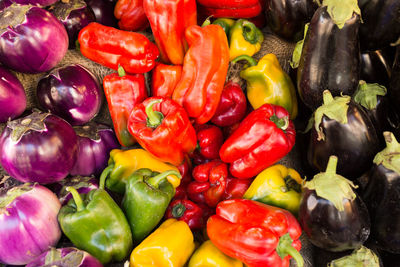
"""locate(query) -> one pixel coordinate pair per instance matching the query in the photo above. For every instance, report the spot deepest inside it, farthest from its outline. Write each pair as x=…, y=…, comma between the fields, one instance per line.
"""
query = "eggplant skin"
x=394, y=88
x=376, y=67
x=331, y=229
x=330, y=59
x=382, y=196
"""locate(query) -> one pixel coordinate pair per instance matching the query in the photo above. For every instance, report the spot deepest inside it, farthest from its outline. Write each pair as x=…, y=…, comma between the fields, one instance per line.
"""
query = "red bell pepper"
x=232, y=107
x=130, y=14
x=235, y=188
x=228, y=3
x=162, y=127
x=209, y=140
x=264, y=137
x=185, y=170
x=111, y=47
x=187, y=211
x=204, y=71
x=164, y=79
x=257, y=234
x=168, y=21
x=236, y=13
x=123, y=92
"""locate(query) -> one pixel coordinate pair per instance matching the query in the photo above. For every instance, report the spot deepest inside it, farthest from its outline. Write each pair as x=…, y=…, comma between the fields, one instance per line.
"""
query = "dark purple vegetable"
x=32, y=40
x=376, y=67
x=4, y=4
x=74, y=14
x=40, y=147
x=394, y=87
x=28, y=223
x=104, y=12
x=12, y=96
x=83, y=184
x=71, y=92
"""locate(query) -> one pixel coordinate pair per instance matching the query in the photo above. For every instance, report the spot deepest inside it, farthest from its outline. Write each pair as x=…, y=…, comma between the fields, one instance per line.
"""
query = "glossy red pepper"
x=123, y=92
x=131, y=16
x=232, y=107
x=164, y=79
x=185, y=170
x=235, y=188
x=187, y=211
x=168, y=21
x=209, y=140
x=264, y=137
x=228, y=3
x=235, y=12
x=162, y=127
x=256, y=234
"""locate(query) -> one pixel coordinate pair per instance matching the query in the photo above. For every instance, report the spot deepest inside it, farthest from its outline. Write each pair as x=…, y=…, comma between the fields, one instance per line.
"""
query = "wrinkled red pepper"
x=209, y=140
x=164, y=79
x=232, y=107
x=168, y=21
x=123, y=91
x=257, y=234
x=235, y=188
x=264, y=137
x=130, y=14
x=111, y=47
x=187, y=211
x=162, y=127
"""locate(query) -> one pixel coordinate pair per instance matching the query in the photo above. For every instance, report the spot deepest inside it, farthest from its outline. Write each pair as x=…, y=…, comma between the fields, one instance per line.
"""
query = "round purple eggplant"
x=40, y=3
x=32, y=40
x=12, y=96
x=95, y=142
x=28, y=223
x=104, y=12
x=40, y=147
x=74, y=14
x=71, y=92
x=83, y=184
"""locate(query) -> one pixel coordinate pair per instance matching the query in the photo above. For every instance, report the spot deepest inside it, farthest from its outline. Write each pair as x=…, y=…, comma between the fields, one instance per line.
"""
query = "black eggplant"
x=394, y=87
x=382, y=196
x=330, y=58
x=376, y=67
x=381, y=25
x=104, y=11
x=332, y=215
x=341, y=127
x=286, y=18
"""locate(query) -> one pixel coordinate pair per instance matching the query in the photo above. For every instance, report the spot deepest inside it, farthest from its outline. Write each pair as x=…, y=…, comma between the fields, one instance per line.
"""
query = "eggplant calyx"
x=367, y=94
x=90, y=130
x=63, y=9
x=390, y=156
x=341, y=10
x=332, y=186
x=34, y=122
x=362, y=257
x=12, y=16
x=73, y=258
x=298, y=49
x=7, y=198
x=333, y=108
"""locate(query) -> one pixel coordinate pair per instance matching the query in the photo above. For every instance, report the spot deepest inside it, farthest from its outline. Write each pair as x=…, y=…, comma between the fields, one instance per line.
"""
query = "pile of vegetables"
x=190, y=172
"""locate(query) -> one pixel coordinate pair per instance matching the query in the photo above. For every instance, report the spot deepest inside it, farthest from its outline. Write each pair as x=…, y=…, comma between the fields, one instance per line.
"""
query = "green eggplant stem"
x=285, y=248
x=178, y=210
x=391, y=142
x=281, y=123
x=154, y=118
x=156, y=180
x=77, y=198
x=121, y=71
x=251, y=61
x=250, y=33
x=327, y=96
x=106, y=172
x=332, y=164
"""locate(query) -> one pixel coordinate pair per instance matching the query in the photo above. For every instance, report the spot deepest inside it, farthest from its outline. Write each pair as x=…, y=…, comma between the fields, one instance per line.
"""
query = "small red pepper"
x=123, y=92
x=162, y=127
x=264, y=137
x=257, y=234
x=131, y=16
x=235, y=188
x=232, y=107
x=111, y=47
x=187, y=211
x=209, y=140
x=164, y=79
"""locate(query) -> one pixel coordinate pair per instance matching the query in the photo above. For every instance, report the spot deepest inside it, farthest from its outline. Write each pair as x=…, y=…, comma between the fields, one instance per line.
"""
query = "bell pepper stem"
x=327, y=97
x=332, y=164
x=250, y=32
x=154, y=118
x=156, y=180
x=178, y=210
x=251, y=61
x=207, y=21
x=285, y=248
x=281, y=123
x=106, y=172
x=77, y=198
x=121, y=71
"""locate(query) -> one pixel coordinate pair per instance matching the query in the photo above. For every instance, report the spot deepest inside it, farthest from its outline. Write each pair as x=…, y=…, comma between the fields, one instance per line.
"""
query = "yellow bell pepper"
x=244, y=39
x=208, y=255
x=277, y=186
x=123, y=163
x=169, y=246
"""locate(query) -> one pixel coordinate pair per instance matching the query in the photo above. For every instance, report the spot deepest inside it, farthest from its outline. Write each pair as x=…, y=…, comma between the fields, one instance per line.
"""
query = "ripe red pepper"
x=130, y=14
x=123, y=92
x=111, y=47
x=264, y=137
x=232, y=107
x=162, y=127
x=237, y=12
x=168, y=21
x=185, y=170
x=235, y=188
x=209, y=140
x=257, y=234
x=164, y=79
x=187, y=211
x=228, y=3
x=204, y=71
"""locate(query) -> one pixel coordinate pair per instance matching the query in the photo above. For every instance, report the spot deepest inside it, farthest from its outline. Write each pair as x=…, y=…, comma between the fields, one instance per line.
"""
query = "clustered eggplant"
x=376, y=67
x=82, y=184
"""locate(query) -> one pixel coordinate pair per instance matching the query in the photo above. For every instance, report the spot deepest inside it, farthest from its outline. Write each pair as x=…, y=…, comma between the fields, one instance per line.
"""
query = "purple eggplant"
x=32, y=40
x=83, y=184
x=95, y=142
x=40, y=147
x=12, y=96
x=71, y=92
x=40, y=3
x=74, y=14
x=28, y=223
x=104, y=12
x=376, y=67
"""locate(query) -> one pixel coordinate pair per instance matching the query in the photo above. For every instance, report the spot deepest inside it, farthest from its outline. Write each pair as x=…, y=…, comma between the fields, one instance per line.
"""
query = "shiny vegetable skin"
x=164, y=79
x=394, y=87
x=27, y=27
x=12, y=96
x=131, y=16
x=104, y=12
x=209, y=140
x=376, y=67
x=82, y=184
x=111, y=47
x=40, y=3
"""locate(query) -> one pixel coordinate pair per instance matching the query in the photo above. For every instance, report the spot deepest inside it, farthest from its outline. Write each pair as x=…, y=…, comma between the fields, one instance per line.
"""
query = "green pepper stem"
x=391, y=142
x=281, y=123
x=251, y=61
x=156, y=180
x=77, y=45
x=223, y=24
x=77, y=198
x=106, y=172
x=121, y=71
x=154, y=118
x=207, y=21
x=327, y=97
x=332, y=165
x=285, y=248
x=250, y=32
x=178, y=210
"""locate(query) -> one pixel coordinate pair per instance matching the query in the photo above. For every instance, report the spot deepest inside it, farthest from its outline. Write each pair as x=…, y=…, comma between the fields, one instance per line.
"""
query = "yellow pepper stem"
x=251, y=61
